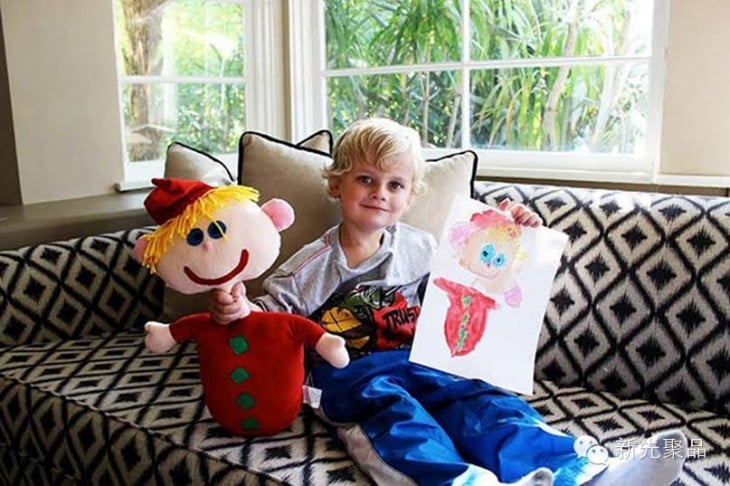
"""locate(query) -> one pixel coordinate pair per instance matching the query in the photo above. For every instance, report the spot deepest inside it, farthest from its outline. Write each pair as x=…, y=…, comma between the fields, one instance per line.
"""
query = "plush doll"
x=251, y=370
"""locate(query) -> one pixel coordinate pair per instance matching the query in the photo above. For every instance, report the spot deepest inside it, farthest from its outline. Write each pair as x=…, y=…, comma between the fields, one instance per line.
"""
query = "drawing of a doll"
x=488, y=246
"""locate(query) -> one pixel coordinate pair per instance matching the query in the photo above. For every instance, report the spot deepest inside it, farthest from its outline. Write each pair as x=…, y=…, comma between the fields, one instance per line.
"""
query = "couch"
x=636, y=339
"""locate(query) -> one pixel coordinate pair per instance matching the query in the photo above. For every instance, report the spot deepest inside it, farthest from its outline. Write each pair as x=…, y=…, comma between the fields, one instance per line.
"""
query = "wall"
x=63, y=95
x=696, y=127
x=62, y=82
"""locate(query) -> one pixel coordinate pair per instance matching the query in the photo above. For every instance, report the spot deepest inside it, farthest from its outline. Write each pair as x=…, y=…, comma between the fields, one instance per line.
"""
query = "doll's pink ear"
x=139, y=248
x=280, y=212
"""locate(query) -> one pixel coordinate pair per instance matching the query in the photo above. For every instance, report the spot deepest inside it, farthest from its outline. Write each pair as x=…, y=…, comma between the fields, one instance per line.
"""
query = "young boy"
x=401, y=422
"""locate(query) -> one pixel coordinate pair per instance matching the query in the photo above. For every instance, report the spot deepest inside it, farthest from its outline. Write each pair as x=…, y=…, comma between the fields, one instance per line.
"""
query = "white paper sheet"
x=486, y=296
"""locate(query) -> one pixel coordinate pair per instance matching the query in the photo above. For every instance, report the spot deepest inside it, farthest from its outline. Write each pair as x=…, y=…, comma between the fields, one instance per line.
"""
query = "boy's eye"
x=216, y=229
x=396, y=186
x=195, y=237
x=365, y=179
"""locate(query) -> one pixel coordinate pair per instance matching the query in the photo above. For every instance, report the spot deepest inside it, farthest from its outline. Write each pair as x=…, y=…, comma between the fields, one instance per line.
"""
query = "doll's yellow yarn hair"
x=178, y=227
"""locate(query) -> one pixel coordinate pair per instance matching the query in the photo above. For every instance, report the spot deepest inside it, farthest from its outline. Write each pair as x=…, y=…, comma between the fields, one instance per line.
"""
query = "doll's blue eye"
x=499, y=260
x=195, y=237
x=216, y=229
x=487, y=253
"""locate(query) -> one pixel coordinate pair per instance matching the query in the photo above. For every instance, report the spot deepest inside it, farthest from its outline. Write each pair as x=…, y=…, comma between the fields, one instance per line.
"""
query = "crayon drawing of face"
x=489, y=247
x=492, y=258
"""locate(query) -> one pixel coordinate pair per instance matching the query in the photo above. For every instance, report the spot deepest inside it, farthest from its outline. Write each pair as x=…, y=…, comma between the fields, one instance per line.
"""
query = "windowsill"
x=60, y=220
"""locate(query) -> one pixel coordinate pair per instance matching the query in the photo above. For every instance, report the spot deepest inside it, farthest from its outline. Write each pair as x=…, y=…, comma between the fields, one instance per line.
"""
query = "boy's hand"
x=520, y=213
x=227, y=307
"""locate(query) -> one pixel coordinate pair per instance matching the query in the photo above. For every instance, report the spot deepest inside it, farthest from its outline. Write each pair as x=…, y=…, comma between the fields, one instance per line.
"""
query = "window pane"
x=559, y=28
x=177, y=39
x=584, y=109
x=209, y=117
x=180, y=38
x=387, y=33
x=427, y=102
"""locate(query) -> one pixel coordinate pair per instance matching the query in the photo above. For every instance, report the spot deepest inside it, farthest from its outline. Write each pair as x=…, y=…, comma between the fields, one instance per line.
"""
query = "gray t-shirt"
x=373, y=306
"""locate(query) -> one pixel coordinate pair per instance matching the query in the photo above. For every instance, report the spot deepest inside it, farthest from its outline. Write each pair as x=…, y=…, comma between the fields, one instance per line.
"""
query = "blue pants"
x=433, y=427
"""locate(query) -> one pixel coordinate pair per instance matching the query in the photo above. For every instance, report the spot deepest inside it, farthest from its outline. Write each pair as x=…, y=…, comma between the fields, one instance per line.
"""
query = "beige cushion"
x=293, y=173
x=184, y=162
x=445, y=178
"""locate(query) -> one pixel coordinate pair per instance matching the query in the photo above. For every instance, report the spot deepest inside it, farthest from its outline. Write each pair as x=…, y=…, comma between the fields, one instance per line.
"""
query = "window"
x=184, y=75
x=540, y=88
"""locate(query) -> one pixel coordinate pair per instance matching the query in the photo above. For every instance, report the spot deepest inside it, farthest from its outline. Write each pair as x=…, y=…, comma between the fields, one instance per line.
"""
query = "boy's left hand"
x=227, y=307
x=520, y=213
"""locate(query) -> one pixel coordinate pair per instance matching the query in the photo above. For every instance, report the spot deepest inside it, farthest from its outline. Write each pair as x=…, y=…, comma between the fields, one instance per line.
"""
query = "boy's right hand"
x=227, y=307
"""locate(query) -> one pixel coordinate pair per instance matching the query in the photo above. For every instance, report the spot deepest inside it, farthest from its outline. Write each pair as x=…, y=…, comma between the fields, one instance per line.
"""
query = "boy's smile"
x=375, y=208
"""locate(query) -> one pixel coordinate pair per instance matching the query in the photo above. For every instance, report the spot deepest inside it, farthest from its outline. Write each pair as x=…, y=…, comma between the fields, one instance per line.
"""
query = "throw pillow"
x=444, y=178
x=185, y=162
x=292, y=172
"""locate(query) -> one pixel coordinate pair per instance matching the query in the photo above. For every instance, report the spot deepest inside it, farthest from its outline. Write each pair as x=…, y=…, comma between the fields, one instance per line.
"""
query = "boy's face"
x=372, y=199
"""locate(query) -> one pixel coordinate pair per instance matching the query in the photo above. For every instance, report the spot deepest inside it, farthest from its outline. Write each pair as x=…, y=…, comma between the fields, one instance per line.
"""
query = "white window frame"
x=309, y=74
x=263, y=83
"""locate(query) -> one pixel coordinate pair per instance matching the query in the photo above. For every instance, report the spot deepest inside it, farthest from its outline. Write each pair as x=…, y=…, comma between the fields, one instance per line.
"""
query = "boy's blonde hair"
x=371, y=141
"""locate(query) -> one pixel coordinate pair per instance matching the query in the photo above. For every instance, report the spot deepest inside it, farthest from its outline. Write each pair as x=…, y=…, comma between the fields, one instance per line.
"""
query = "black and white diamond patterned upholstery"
x=82, y=287
x=640, y=306
x=635, y=336
x=103, y=410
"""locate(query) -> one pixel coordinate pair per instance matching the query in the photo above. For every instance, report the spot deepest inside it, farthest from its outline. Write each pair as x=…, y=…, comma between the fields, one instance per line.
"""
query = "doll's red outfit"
x=252, y=369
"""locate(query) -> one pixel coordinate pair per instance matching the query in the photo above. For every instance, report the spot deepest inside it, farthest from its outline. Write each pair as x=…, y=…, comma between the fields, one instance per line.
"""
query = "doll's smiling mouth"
x=219, y=280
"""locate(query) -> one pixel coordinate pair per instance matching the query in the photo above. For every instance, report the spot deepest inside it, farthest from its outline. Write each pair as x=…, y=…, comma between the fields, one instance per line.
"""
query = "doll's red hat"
x=171, y=196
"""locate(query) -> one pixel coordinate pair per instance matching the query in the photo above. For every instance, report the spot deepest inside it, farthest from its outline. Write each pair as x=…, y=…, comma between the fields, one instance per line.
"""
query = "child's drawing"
x=488, y=246
x=487, y=295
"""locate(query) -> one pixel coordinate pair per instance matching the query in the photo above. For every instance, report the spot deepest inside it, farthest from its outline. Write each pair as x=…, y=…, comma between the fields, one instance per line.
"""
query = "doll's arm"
x=159, y=338
x=332, y=349
x=329, y=346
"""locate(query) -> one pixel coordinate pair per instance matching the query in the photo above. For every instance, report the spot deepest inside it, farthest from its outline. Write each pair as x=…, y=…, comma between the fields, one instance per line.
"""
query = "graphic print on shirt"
x=488, y=246
x=369, y=319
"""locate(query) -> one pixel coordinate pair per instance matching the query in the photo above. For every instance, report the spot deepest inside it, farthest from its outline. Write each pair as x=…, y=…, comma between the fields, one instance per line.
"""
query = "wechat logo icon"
x=588, y=447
